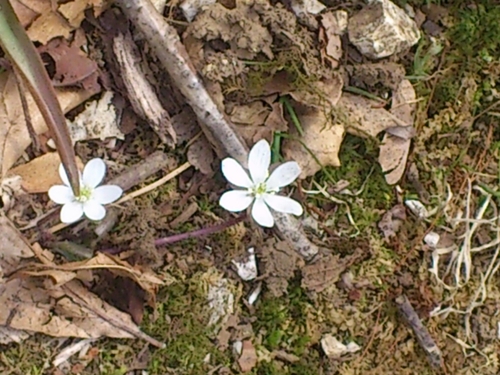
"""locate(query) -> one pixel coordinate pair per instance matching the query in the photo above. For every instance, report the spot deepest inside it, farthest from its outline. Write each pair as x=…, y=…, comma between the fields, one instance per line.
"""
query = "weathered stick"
x=425, y=340
x=172, y=54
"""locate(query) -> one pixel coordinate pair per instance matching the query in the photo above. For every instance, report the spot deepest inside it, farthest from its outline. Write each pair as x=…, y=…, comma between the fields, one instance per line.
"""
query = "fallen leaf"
x=394, y=150
x=13, y=248
x=320, y=144
x=300, y=7
x=322, y=273
x=39, y=174
x=148, y=281
x=14, y=136
x=334, y=24
x=248, y=357
x=201, y=155
x=364, y=117
x=333, y=348
x=72, y=67
x=257, y=120
x=45, y=24
x=392, y=220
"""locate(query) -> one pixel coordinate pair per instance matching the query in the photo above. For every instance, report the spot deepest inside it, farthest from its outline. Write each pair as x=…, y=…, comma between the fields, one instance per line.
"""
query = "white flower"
x=91, y=199
x=260, y=187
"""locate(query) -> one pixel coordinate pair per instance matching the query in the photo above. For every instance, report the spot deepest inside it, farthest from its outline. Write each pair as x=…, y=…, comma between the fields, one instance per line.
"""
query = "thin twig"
x=423, y=337
x=154, y=185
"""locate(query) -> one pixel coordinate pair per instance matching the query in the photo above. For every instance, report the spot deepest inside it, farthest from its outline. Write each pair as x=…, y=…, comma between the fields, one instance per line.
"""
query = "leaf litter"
x=340, y=292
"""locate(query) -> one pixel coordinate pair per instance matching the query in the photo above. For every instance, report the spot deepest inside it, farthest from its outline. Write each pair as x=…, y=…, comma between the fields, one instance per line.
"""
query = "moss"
x=359, y=166
x=181, y=321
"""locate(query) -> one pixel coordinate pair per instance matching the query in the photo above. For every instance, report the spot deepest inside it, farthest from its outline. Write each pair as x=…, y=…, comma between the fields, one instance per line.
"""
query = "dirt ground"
x=405, y=217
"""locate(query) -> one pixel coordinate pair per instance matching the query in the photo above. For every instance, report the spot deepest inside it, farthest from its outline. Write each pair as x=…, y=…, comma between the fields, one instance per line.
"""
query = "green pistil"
x=85, y=194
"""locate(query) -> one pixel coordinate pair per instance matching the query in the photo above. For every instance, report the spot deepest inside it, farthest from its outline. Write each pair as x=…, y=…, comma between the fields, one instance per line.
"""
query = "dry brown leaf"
x=248, y=357
x=13, y=247
x=72, y=66
x=364, y=116
x=322, y=273
x=323, y=95
x=201, y=155
x=392, y=220
x=67, y=311
x=258, y=120
x=333, y=26
x=322, y=139
x=39, y=174
x=45, y=24
x=394, y=150
x=14, y=136
x=148, y=281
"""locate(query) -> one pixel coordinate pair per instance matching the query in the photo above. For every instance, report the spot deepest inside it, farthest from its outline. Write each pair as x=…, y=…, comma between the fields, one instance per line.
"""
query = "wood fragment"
x=425, y=340
x=141, y=94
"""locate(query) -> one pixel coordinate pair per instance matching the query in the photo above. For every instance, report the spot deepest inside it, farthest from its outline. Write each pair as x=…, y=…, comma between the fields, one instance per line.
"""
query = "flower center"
x=85, y=194
x=259, y=189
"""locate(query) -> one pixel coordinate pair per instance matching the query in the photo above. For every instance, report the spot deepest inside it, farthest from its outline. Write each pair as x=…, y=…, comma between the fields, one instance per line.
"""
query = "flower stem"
x=200, y=232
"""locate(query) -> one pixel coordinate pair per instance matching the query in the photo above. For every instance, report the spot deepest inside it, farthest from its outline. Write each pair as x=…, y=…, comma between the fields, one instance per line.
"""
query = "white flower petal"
x=259, y=160
x=262, y=214
x=235, y=174
x=71, y=212
x=63, y=175
x=284, y=204
x=236, y=200
x=61, y=194
x=283, y=175
x=93, y=210
x=94, y=172
x=106, y=194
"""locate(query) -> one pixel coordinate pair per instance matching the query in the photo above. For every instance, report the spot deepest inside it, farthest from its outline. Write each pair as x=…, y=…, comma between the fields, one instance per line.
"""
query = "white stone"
x=333, y=348
x=247, y=269
x=417, y=208
x=432, y=239
x=382, y=29
x=300, y=7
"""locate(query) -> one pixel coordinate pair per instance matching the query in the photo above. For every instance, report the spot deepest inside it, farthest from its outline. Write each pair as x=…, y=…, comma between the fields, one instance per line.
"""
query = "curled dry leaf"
x=394, y=149
x=145, y=279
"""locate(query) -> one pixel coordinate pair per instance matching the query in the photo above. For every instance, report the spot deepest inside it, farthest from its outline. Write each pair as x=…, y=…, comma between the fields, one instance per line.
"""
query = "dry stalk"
x=171, y=53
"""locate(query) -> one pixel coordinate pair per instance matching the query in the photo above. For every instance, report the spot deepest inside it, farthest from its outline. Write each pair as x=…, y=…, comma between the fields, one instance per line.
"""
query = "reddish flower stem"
x=200, y=232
